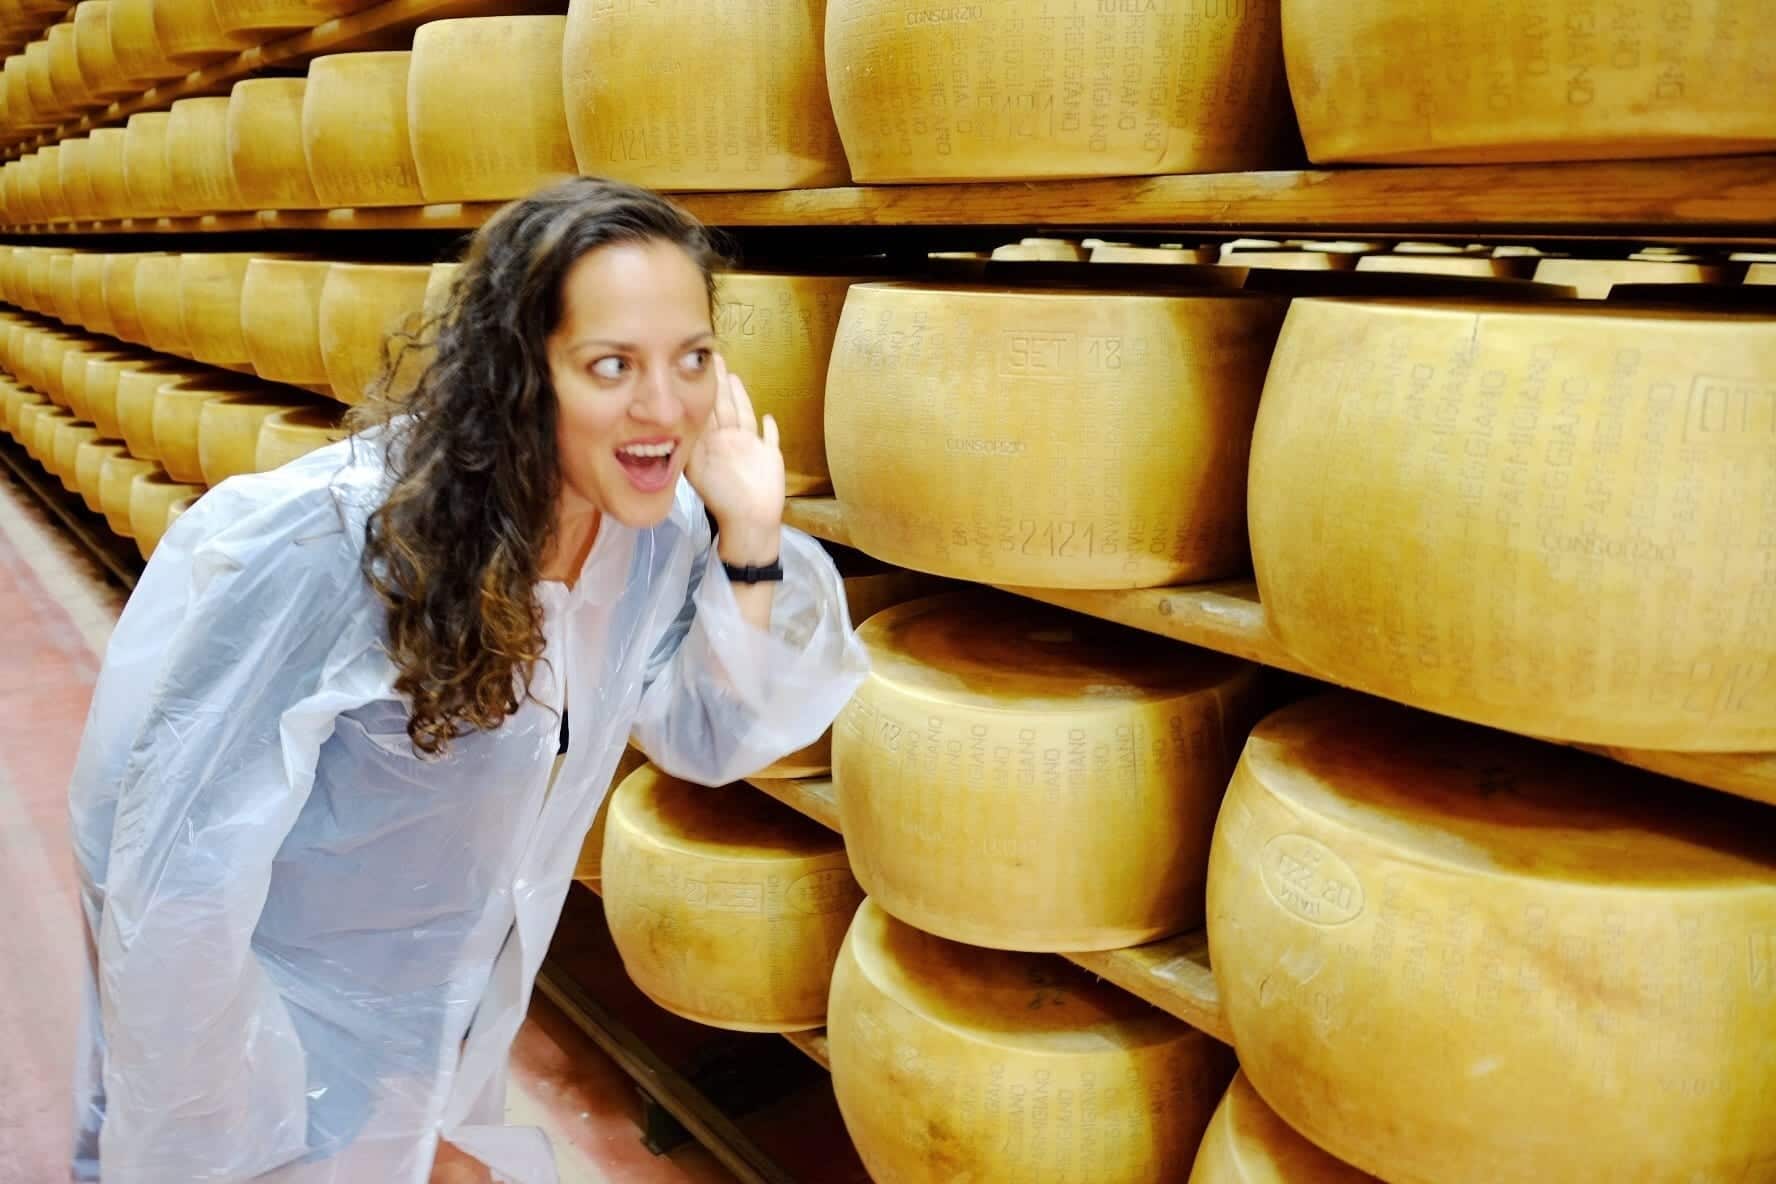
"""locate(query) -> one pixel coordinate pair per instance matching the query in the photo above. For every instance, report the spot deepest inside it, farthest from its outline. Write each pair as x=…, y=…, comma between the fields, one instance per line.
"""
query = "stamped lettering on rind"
x=1308, y=879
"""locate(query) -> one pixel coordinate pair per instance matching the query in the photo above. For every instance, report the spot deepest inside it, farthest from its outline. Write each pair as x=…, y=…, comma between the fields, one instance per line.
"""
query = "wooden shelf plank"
x=813, y=796
x=1227, y=617
x=1720, y=197
x=814, y=1044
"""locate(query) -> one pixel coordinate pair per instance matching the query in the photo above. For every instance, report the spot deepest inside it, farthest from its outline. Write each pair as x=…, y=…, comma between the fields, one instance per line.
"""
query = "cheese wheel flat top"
x=732, y=823
x=1247, y=1143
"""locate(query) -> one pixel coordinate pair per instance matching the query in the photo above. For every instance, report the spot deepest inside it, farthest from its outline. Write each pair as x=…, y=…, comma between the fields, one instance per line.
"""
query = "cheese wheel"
x=1441, y=81
x=190, y=34
x=76, y=177
x=1056, y=439
x=104, y=381
x=135, y=43
x=1247, y=1143
x=197, y=158
x=354, y=130
x=367, y=309
x=37, y=75
x=264, y=141
x=25, y=187
x=64, y=68
x=53, y=200
x=176, y=509
x=106, y=160
x=176, y=418
x=75, y=364
x=286, y=435
x=145, y=175
x=952, y=1063
x=280, y=318
x=21, y=112
x=134, y=407
x=957, y=92
x=1017, y=777
x=89, y=293
x=17, y=399
x=151, y=497
x=741, y=104
x=1042, y=250
x=1126, y=253
x=1761, y=273
x=476, y=137
x=726, y=906
x=228, y=432
x=120, y=296
x=24, y=420
x=274, y=16
x=589, y=868
x=440, y=292
x=70, y=434
x=1593, y=278
x=777, y=334
x=1582, y=945
x=89, y=465
x=1458, y=265
x=1290, y=260
x=43, y=436
x=1583, y=500
x=157, y=304
x=60, y=291
x=210, y=306
x=116, y=476
x=98, y=60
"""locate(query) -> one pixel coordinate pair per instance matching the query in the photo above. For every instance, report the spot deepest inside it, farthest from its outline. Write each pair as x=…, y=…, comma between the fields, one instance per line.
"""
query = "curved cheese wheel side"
x=264, y=139
x=354, y=130
x=89, y=464
x=1247, y=1143
x=151, y=497
x=197, y=161
x=228, y=432
x=116, y=476
x=368, y=315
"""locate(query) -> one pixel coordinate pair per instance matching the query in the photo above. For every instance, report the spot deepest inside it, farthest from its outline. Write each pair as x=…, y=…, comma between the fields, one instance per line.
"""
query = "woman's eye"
x=698, y=360
x=611, y=368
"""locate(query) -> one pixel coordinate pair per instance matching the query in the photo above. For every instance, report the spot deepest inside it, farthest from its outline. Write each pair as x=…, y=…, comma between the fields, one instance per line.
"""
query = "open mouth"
x=648, y=463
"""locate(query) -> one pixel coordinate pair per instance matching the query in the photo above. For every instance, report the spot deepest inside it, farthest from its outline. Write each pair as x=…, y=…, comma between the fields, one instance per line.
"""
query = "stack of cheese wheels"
x=354, y=130
x=1056, y=439
x=264, y=138
x=956, y=1063
x=869, y=589
x=296, y=432
x=1247, y=1143
x=280, y=312
x=370, y=317
x=1583, y=946
x=727, y=907
x=1442, y=81
x=741, y=105
x=151, y=497
x=197, y=156
x=1584, y=502
x=977, y=91
x=475, y=136
x=777, y=333
x=228, y=431
x=1018, y=777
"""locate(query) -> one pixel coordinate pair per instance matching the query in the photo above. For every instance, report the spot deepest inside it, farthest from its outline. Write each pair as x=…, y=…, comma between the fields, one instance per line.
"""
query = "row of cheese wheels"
x=140, y=436
x=816, y=92
x=1581, y=944
x=25, y=21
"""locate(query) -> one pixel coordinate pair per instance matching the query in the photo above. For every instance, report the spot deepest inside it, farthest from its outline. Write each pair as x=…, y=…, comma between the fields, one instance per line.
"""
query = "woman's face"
x=633, y=366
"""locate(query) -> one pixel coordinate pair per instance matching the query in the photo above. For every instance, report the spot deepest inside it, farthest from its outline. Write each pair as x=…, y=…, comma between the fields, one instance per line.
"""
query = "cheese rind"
x=228, y=432
x=354, y=130
x=1007, y=90
x=1557, y=521
x=288, y=435
x=197, y=160
x=368, y=315
x=727, y=907
x=1053, y=439
x=1017, y=777
x=280, y=313
x=1247, y=1143
x=1442, y=81
x=151, y=497
x=263, y=133
x=1582, y=945
x=954, y=1063
x=145, y=176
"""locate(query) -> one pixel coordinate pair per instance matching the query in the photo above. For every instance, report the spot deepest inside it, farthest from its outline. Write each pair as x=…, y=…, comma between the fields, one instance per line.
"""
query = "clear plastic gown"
x=312, y=949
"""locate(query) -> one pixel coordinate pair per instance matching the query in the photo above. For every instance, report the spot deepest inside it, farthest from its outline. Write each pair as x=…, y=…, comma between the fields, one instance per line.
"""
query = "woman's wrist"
x=749, y=545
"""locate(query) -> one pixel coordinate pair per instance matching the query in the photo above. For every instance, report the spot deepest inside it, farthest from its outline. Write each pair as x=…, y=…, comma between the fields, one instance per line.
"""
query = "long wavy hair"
x=455, y=550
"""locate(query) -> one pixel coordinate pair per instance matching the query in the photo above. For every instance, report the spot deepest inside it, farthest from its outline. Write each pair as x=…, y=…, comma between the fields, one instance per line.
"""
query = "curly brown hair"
x=455, y=549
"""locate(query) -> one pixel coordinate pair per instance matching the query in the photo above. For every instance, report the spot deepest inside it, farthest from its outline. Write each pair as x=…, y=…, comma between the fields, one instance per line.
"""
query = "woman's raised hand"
x=736, y=467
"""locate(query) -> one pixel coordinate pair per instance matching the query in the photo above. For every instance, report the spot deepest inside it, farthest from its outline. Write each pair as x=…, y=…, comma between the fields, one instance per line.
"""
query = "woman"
x=321, y=848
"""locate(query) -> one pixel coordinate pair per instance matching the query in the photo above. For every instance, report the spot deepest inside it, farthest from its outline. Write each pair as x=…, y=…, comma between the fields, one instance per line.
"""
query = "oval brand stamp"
x=1307, y=878
x=831, y=891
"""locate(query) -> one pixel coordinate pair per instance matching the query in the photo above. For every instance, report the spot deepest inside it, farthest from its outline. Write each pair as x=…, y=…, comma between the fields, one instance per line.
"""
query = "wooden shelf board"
x=1713, y=197
x=1228, y=617
x=814, y=1044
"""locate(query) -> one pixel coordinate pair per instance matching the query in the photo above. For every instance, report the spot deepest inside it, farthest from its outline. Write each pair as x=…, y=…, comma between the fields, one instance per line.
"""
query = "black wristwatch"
x=770, y=573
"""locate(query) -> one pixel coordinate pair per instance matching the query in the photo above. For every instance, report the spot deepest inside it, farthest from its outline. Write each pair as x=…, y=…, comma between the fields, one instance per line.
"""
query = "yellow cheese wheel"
x=151, y=497
x=953, y=1063
x=1042, y=250
x=89, y=465
x=43, y=96
x=98, y=60
x=197, y=156
x=1247, y=1143
x=1761, y=273
x=210, y=306
x=64, y=68
x=1583, y=950
x=76, y=176
x=145, y=176
x=1127, y=253
x=1060, y=439
x=286, y=435
x=1479, y=267
x=1593, y=278
x=1285, y=260
x=1552, y=520
x=440, y=291
x=26, y=197
x=228, y=432
x=15, y=399
x=135, y=43
x=190, y=34
x=272, y=16
x=476, y=137
x=589, y=868
x=21, y=113
x=777, y=331
x=39, y=424
x=157, y=304
x=104, y=386
x=70, y=434
x=741, y=104
x=1014, y=776
x=60, y=291
x=976, y=91
x=727, y=907
x=354, y=130
x=120, y=296
x=106, y=160
x=75, y=364
x=264, y=140
x=25, y=410
x=49, y=184
x=134, y=407
x=1441, y=81
x=280, y=317
x=90, y=311
x=176, y=417
x=366, y=309
x=116, y=476
x=176, y=509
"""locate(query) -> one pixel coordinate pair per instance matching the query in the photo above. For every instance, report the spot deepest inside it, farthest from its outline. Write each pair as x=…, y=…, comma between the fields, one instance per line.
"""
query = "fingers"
x=744, y=417
x=724, y=403
x=771, y=432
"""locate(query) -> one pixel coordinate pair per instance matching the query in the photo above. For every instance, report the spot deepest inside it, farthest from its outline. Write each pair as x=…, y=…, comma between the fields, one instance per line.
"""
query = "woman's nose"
x=657, y=399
